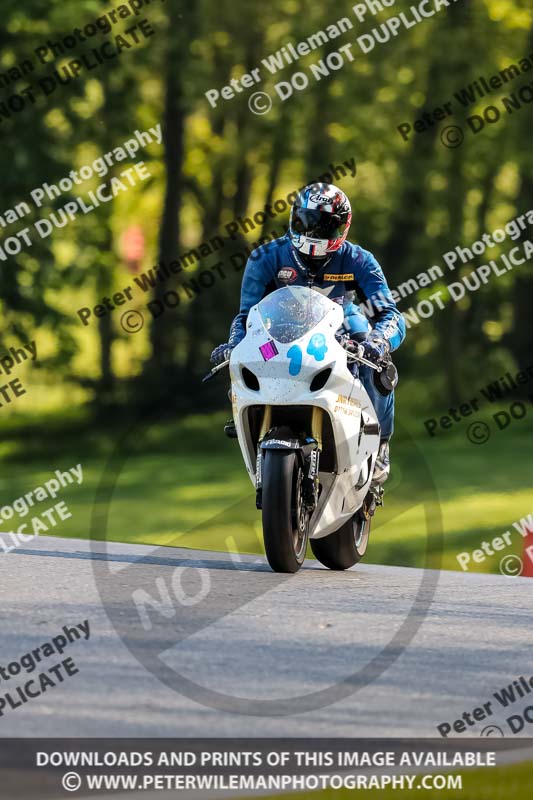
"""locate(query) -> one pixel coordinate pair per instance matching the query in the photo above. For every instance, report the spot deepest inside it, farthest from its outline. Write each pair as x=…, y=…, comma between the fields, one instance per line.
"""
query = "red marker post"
x=527, y=558
x=133, y=248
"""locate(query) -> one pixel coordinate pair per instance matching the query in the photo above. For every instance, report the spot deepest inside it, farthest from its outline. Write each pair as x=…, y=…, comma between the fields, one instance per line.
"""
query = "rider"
x=314, y=252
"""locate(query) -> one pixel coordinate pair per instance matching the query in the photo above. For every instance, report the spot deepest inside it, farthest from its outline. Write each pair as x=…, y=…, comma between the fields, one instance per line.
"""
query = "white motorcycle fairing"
x=290, y=372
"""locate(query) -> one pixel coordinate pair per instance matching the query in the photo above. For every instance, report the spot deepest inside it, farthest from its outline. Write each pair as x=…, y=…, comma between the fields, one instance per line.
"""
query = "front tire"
x=346, y=547
x=285, y=519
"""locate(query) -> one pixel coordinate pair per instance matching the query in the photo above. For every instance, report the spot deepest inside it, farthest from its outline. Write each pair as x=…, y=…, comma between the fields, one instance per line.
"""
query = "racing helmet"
x=320, y=221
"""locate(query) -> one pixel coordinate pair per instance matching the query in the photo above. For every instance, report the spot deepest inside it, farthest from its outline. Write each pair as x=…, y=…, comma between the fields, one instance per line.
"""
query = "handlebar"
x=355, y=351
x=360, y=360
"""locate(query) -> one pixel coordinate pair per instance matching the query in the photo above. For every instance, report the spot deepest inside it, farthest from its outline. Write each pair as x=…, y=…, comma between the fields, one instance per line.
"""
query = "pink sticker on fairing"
x=268, y=350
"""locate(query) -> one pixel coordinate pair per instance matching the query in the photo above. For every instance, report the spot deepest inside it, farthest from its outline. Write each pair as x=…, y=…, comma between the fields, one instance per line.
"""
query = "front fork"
x=309, y=454
x=265, y=427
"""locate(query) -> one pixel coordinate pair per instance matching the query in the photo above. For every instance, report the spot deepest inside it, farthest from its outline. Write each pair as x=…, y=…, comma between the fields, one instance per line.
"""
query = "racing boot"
x=382, y=466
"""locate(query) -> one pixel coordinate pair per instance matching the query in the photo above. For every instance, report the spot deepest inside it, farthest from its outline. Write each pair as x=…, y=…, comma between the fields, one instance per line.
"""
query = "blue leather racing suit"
x=351, y=272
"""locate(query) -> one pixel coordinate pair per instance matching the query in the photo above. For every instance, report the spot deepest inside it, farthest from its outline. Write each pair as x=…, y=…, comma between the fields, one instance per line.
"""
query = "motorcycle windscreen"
x=289, y=313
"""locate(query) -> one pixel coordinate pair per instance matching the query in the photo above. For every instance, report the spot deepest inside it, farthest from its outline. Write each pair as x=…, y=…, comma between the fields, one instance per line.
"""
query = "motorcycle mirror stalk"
x=215, y=371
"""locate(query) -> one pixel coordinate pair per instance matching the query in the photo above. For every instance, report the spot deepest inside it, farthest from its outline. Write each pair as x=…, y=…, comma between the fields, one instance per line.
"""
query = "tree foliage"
x=413, y=200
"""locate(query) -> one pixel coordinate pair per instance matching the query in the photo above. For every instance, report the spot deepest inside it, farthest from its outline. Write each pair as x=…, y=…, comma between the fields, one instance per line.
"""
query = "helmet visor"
x=317, y=224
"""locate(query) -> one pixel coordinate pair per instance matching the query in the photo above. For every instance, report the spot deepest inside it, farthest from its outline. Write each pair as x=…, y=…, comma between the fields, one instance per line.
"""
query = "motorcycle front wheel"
x=285, y=518
x=345, y=547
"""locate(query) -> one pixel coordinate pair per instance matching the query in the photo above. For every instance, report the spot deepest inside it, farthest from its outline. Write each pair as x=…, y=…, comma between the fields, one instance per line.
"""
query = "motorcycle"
x=307, y=430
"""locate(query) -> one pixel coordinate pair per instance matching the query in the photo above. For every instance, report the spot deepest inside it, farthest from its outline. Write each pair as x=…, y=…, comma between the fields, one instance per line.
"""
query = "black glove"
x=220, y=354
x=375, y=348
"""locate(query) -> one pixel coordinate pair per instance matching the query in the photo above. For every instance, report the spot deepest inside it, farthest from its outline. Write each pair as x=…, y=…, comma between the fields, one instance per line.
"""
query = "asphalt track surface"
x=275, y=640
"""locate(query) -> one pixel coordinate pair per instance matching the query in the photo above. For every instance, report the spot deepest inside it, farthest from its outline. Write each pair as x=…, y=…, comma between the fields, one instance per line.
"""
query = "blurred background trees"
x=99, y=387
x=412, y=201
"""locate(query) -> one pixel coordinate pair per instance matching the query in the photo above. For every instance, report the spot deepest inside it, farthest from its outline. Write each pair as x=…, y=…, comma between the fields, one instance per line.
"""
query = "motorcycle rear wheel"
x=346, y=547
x=285, y=519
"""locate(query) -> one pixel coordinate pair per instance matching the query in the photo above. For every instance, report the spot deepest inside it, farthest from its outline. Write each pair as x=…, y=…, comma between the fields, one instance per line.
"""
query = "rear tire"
x=285, y=521
x=345, y=547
